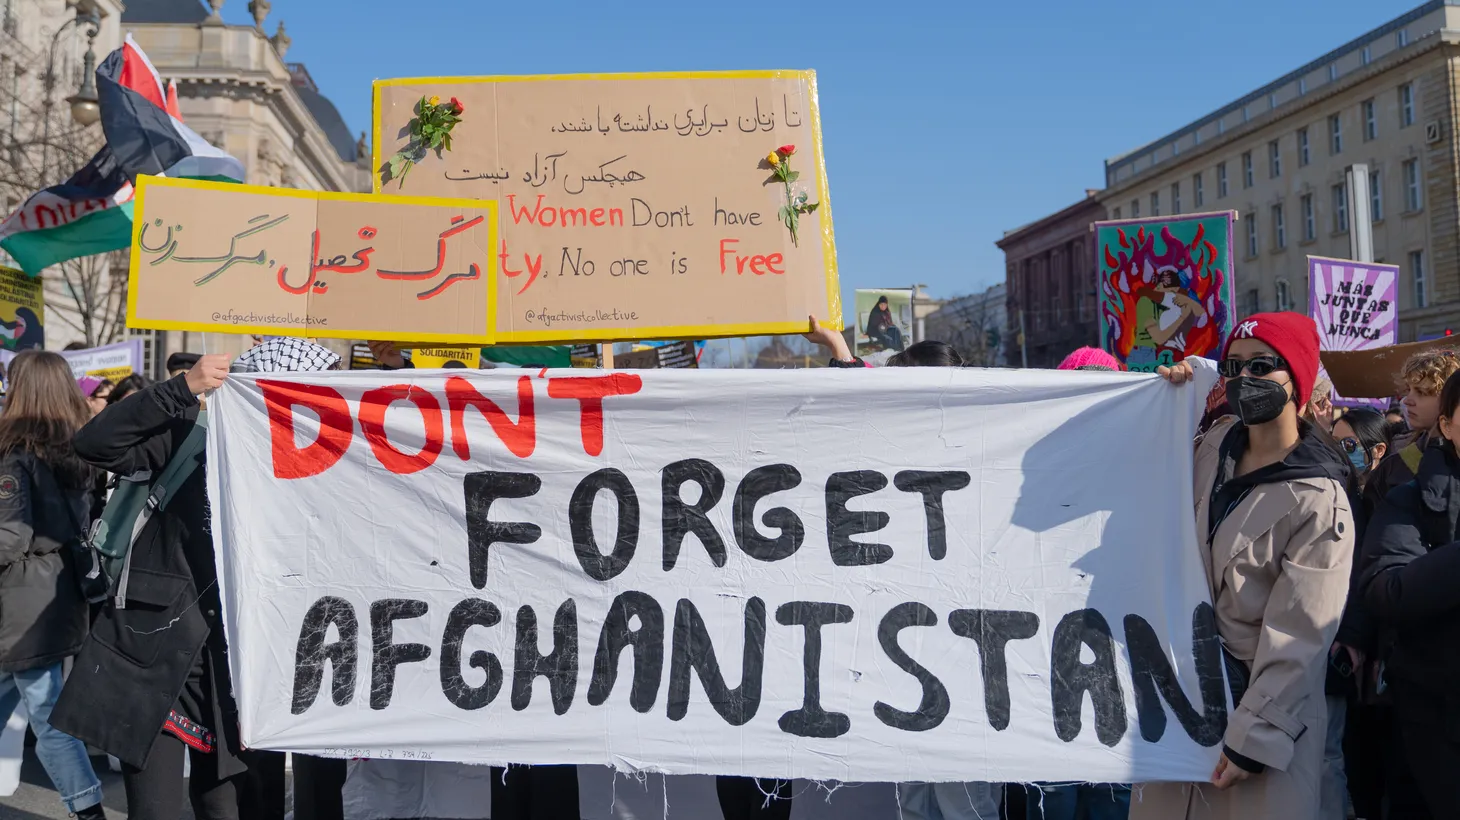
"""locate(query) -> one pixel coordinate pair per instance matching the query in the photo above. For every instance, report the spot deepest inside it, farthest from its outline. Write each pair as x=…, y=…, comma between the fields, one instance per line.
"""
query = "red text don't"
x=338, y=426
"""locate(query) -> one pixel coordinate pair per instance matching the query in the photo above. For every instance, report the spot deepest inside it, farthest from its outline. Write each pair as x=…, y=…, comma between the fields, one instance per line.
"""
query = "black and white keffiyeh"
x=285, y=354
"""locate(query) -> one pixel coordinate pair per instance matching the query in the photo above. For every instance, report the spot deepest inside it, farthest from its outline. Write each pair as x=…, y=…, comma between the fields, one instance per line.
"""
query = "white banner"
x=885, y=575
x=114, y=361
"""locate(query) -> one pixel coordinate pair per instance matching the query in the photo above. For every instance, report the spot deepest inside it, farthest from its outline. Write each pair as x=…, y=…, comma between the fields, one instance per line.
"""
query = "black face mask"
x=1257, y=401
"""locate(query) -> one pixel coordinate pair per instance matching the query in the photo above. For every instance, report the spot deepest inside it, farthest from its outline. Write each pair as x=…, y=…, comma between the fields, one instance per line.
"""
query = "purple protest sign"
x=1354, y=305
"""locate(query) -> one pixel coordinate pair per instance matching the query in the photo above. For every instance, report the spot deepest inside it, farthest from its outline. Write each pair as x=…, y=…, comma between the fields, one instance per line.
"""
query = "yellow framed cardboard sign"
x=633, y=206
x=215, y=256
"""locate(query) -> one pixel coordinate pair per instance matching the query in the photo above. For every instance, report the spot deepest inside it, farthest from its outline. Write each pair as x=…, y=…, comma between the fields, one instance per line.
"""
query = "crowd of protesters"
x=1331, y=541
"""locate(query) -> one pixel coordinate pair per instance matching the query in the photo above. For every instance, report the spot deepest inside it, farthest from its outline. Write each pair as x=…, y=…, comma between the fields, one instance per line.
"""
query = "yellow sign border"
x=833, y=317
x=146, y=183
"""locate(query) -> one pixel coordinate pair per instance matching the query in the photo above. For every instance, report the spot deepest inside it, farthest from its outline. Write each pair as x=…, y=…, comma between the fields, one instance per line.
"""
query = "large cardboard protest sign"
x=210, y=256
x=633, y=206
x=1165, y=287
x=721, y=572
x=22, y=311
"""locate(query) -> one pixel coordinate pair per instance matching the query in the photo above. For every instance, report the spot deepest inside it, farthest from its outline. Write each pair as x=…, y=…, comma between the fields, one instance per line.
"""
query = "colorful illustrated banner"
x=526, y=566
x=212, y=256
x=884, y=321
x=1354, y=304
x=22, y=311
x=1165, y=287
x=633, y=206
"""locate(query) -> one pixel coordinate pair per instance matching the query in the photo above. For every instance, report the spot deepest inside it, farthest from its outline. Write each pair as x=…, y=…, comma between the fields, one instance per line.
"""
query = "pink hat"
x=88, y=385
x=1090, y=358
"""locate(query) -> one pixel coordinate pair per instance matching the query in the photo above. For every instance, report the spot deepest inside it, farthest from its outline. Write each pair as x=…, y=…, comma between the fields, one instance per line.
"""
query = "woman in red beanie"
x=1277, y=538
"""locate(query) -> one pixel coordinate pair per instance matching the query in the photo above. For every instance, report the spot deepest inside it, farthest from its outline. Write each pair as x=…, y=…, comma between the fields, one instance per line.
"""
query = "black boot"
x=94, y=813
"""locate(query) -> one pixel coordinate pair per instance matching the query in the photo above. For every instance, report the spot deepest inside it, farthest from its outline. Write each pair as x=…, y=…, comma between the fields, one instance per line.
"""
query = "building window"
x=1401, y=38
x=1284, y=299
x=1196, y=137
x=1406, y=105
x=1371, y=122
x=1368, y=55
x=1244, y=114
x=1272, y=101
x=1279, y=229
x=1332, y=72
x=1413, y=194
x=1274, y=160
x=1254, y=302
x=1417, y=275
x=1310, y=221
x=1376, y=197
x=1175, y=198
x=1135, y=209
x=1221, y=126
x=1303, y=155
x=1198, y=196
x=1250, y=223
x=1116, y=213
x=1340, y=208
x=1155, y=203
x=1247, y=170
x=1176, y=148
x=1302, y=85
x=1335, y=134
x=1221, y=180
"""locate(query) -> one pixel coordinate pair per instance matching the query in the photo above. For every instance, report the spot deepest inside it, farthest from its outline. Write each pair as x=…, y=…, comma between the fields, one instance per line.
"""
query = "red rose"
x=457, y=104
x=786, y=150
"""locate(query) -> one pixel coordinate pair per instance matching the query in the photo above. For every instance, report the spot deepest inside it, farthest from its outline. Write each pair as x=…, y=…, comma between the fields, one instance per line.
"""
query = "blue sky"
x=945, y=124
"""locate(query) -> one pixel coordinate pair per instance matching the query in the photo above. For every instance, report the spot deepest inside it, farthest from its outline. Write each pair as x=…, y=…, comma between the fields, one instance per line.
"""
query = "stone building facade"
x=235, y=89
x=1278, y=157
x=1050, y=285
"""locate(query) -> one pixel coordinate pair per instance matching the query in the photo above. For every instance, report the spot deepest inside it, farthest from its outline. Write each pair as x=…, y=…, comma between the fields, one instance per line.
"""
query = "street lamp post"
x=85, y=110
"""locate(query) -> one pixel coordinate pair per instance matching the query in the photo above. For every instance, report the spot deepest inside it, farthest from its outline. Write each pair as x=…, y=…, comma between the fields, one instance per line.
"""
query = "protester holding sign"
x=152, y=679
x=1277, y=535
x=1411, y=573
x=43, y=617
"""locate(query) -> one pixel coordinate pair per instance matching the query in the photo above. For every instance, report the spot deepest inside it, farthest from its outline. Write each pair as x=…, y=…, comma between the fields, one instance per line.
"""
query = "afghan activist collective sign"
x=211, y=256
x=22, y=311
x=633, y=206
x=504, y=566
x=1165, y=287
x=1354, y=304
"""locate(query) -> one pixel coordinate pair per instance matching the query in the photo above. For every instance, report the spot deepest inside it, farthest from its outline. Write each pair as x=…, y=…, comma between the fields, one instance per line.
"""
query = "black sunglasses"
x=1258, y=366
x=1350, y=444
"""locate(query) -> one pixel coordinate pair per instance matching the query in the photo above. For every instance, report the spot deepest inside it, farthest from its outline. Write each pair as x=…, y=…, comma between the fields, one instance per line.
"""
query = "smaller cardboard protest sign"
x=433, y=358
x=1374, y=373
x=22, y=311
x=210, y=256
x=1165, y=287
x=1353, y=303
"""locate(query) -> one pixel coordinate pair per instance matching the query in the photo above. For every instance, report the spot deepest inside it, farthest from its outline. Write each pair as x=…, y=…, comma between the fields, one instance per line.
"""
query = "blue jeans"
x=949, y=801
x=1082, y=801
x=64, y=757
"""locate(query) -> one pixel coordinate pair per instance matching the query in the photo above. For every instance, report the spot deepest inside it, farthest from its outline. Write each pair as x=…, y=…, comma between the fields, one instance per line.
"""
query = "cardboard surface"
x=1373, y=373
x=1165, y=287
x=634, y=206
x=210, y=256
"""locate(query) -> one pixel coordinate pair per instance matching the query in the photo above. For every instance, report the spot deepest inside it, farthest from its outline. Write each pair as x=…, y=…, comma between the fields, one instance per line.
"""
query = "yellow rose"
x=435, y=99
x=773, y=158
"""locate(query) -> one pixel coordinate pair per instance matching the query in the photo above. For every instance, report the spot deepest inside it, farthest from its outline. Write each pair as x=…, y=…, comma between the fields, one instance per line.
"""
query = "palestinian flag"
x=91, y=212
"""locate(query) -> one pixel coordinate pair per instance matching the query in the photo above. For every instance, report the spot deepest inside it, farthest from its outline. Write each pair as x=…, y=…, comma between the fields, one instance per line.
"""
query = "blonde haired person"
x=1419, y=383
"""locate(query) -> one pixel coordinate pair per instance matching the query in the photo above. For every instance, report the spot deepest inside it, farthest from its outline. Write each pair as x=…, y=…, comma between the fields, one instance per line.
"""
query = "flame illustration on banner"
x=1165, y=288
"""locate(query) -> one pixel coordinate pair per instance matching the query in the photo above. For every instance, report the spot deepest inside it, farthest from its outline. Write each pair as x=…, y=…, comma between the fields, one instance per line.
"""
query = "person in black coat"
x=152, y=679
x=1411, y=582
x=43, y=614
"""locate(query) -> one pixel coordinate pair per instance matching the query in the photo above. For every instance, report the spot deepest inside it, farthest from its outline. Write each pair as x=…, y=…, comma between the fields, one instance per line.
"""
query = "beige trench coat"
x=1278, y=567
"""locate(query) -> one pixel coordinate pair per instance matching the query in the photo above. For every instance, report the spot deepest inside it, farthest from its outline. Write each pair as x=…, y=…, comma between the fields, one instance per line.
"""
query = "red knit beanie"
x=1293, y=336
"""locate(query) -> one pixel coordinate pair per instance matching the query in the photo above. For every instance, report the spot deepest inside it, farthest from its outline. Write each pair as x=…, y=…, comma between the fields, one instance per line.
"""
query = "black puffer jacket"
x=42, y=613
x=1412, y=572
